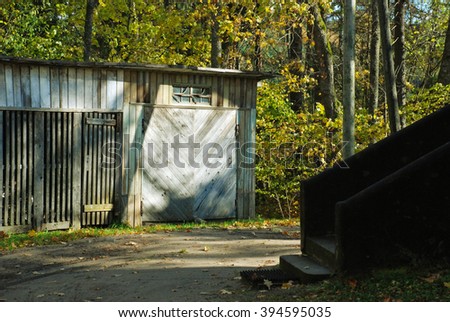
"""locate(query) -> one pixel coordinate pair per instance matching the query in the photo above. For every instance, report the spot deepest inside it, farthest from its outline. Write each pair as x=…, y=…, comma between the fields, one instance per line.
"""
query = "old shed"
x=86, y=143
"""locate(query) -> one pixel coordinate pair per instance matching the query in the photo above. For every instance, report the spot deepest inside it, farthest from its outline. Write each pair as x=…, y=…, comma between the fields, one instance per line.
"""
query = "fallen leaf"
x=447, y=284
x=288, y=285
x=225, y=292
x=432, y=278
x=352, y=283
x=130, y=243
x=37, y=273
x=268, y=284
x=205, y=249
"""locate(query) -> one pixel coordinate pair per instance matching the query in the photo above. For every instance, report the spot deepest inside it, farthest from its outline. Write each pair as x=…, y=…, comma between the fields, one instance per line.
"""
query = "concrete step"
x=305, y=268
x=322, y=249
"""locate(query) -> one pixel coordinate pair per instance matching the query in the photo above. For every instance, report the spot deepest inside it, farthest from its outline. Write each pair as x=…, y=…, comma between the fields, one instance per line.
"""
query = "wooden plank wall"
x=42, y=159
x=60, y=87
x=74, y=88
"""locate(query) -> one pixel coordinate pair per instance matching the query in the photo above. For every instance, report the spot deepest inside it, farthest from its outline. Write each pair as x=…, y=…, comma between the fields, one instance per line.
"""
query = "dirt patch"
x=197, y=265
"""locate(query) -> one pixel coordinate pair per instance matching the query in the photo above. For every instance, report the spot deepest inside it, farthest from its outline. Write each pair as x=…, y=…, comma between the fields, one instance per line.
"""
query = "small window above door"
x=191, y=95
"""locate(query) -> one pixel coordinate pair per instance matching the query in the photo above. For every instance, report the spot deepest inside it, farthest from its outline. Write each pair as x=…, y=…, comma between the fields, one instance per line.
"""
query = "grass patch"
x=10, y=242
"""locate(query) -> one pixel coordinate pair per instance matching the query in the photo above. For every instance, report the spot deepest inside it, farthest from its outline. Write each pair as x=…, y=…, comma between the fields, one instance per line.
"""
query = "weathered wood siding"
x=127, y=89
x=51, y=173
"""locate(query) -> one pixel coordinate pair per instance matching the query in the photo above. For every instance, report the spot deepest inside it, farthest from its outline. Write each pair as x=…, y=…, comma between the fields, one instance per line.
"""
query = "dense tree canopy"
x=301, y=40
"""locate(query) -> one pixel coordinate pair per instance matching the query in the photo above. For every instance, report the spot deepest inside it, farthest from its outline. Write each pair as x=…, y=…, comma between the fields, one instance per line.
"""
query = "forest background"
x=300, y=112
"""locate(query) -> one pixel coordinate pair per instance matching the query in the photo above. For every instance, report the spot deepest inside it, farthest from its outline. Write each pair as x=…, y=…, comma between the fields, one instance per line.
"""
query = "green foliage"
x=290, y=147
x=426, y=101
x=42, y=30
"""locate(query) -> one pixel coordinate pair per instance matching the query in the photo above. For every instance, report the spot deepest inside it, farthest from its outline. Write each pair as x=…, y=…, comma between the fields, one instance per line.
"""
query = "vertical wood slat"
x=2, y=85
x=70, y=167
x=131, y=155
x=24, y=169
x=44, y=87
x=98, y=173
x=48, y=162
x=17, y=86
x=30, y=161
x=8, y=170
x=25, y=86
x=103, y=82
x=35, y=87
x=103, y=182
x=111, y=90
x=2, y=169
x=13, y=167
x=39, y=160
x=95, y=172
x=85, y=167
x=88, y=89
x=76, y=178
x=9, y=85
x=138, y=181
x=55, y=97
x=64, y=130
x=53, y=165
x=79, y=89
x=18, y=167
x=118, y=180
x=58, y=169
x=72, y=90
x=63, y=88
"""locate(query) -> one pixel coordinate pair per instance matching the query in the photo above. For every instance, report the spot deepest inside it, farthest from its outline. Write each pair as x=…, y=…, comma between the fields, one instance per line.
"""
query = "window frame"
x=187, y=96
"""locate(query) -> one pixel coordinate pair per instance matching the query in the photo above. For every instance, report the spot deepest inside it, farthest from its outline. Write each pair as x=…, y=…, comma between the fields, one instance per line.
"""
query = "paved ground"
x=197, y=265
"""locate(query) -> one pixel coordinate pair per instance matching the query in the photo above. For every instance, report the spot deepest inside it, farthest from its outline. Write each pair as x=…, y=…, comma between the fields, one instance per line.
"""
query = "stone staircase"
x=320, y=263
x=379, y=206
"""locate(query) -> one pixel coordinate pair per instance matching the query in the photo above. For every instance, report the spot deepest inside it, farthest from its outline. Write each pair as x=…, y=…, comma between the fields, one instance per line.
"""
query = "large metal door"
x=189, y=162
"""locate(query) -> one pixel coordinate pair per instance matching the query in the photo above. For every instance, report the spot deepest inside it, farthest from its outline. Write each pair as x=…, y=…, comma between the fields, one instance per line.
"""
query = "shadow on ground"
x=197, y=265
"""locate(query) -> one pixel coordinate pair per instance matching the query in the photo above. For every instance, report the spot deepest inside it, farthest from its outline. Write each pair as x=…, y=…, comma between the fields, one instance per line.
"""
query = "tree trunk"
x=389, y=72
x=349, y=78
x=374, y=57
x=295, y=53
x=444, y=73
x=399, y=50
x=215, y=41
x=324, y=58
x=88, y=26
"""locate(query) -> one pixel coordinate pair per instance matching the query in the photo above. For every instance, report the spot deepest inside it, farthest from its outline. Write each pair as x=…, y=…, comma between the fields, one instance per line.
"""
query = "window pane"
x=197, y=90
x=191, y=95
